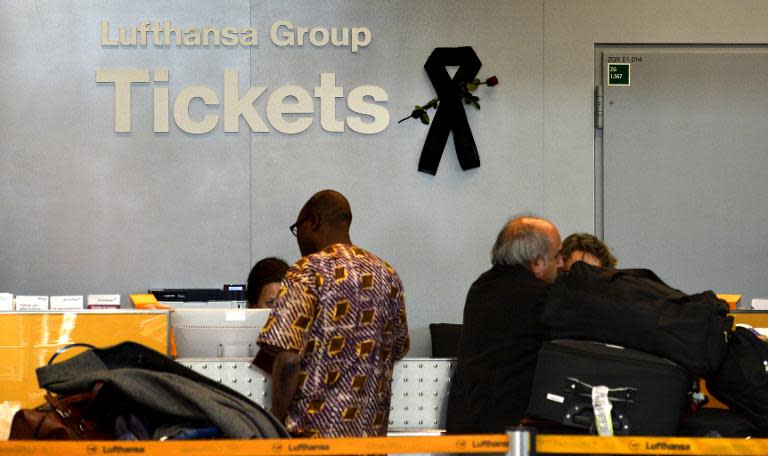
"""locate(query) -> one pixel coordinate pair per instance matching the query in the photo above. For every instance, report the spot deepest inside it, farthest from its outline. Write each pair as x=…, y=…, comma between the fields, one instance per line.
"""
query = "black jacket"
x=500, y=341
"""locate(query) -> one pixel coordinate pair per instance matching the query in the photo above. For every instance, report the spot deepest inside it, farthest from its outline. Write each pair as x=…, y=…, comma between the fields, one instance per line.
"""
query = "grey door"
x=684, y=165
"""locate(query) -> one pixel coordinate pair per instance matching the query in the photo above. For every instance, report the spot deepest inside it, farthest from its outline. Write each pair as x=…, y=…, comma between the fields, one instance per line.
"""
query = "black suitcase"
x=648, y=394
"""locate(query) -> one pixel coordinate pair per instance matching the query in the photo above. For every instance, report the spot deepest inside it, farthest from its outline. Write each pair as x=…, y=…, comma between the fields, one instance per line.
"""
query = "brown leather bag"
x=60, y=418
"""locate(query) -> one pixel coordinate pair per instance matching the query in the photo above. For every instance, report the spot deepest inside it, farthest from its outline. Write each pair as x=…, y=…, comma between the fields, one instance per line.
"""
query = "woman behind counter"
x=264, y=282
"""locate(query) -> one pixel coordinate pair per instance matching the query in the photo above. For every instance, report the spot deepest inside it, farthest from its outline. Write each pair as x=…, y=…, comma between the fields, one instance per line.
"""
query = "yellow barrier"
x=650, y=445
x=397, y=445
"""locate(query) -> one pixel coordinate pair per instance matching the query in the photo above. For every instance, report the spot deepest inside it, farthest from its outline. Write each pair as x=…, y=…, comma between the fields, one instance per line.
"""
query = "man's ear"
x=537, y=267
x=314, y=222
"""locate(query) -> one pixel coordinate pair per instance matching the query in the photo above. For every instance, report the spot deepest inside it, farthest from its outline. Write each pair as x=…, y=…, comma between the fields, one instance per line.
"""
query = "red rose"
x=492, y=81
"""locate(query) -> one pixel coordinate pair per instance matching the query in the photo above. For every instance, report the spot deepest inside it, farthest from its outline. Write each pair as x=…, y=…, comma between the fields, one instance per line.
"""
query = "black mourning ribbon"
x=450, y=113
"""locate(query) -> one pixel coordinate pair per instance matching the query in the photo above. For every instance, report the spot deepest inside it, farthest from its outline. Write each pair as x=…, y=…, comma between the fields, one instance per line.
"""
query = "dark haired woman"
x=264, y=282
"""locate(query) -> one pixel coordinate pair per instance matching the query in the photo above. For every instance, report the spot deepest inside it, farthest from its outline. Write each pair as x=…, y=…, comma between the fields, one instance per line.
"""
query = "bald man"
x=501, y=335
x=337, y=326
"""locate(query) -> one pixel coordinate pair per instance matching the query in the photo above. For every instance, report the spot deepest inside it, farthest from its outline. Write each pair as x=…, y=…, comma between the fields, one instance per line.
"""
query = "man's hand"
x=285, y=382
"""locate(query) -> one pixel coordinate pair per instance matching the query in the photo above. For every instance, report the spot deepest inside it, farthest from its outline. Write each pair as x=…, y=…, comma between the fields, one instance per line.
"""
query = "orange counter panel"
x=28, y=339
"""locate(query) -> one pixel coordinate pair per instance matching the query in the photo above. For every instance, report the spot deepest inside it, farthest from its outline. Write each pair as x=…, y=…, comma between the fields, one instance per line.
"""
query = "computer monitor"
x=217, y=333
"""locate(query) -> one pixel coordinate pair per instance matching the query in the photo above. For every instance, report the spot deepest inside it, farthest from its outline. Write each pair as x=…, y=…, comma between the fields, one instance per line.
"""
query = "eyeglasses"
x=295, y=227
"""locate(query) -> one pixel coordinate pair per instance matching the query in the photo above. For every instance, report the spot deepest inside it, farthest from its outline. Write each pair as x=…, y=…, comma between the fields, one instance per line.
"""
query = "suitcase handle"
x=584, y=390
x=67, y=347
x=582, y=416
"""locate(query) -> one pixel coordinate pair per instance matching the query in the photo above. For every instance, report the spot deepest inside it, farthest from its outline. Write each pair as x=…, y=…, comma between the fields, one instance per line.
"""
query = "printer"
x=230, y=296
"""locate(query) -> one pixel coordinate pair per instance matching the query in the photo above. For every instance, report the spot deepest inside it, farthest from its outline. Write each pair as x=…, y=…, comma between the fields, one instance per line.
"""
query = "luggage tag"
x=602, y=409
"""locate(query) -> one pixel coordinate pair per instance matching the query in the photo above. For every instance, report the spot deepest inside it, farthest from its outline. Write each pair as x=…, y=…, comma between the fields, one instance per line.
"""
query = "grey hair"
x=520, y=243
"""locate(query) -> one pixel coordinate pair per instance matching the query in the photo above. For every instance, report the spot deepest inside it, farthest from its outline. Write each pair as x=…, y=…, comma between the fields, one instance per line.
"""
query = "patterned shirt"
x=342, y=310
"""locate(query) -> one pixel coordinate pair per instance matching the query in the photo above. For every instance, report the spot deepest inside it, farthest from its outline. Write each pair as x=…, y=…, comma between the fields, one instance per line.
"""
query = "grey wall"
x=86, y=210
x=436, y=230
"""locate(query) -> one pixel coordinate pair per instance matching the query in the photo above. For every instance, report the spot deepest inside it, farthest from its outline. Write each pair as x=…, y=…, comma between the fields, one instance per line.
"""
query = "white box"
x=104, y=301
x=6, y=301
x=66, y=303
x=31, y=303
x=760, y=304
